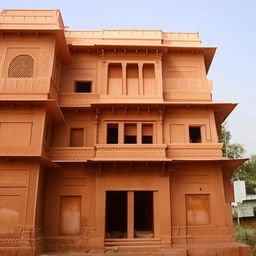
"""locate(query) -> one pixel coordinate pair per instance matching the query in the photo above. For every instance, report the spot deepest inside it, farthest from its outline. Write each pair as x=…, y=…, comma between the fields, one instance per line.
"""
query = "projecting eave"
x=207, y=52
x=36, y=158
x=228, y=165
x=130, y=159
x=221, y=110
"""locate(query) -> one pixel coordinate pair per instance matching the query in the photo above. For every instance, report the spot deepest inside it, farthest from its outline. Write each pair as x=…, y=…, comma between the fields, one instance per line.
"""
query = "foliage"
x=234, y=150
x=246, y=235
x=246, y=171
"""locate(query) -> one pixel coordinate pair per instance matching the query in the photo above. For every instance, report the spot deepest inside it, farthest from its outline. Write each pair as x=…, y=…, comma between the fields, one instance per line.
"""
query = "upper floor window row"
x=130, y=133
x=21, y=66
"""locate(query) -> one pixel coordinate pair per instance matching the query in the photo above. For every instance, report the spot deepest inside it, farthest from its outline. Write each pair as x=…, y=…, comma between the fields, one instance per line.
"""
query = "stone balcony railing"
x=154, y=151
x=35, y=88
x=142, y=152
x=194, y=150
x=27, y=88
x=71, y=153
x=78, y=99
x=188, y=89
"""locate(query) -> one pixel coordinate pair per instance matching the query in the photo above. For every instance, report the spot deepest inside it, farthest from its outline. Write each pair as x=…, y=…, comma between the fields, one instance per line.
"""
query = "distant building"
x=109, y=141
x=247, y=208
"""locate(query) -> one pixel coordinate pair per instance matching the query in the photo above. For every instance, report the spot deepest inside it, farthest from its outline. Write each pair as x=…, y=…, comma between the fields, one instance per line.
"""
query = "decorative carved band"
x=137, y=151
x=68, y=153
x=195, y=149
x=130, y=151
x=78, y=99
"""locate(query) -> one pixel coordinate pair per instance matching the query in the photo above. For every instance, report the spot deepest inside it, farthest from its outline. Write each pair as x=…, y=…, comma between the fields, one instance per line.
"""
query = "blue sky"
x=229, y=25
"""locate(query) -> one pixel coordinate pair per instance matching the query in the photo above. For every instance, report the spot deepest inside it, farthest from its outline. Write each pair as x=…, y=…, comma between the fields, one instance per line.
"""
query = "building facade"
x=109, y=142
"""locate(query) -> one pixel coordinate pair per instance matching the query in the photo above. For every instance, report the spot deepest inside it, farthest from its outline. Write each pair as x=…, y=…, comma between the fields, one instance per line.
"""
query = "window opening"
x=195, y=134
x=143, y=214
x=83, y=86
x=147, y=133
x=112, y=134
x=116, y=214
x=77, y=137
x=130, y=133
x=21, y=66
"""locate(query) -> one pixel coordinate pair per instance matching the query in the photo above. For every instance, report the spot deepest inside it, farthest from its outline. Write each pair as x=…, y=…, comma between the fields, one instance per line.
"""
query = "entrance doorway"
x=143, y=214
x=116, y=214
x=129, y=214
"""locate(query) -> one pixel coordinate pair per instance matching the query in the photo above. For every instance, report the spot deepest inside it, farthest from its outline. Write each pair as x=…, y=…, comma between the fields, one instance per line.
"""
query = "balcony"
x=136, y=152
x=187, y=89
x=142, y=152
x=78, y=99
x=70, y=153
x=194, y=150
x=38, y=88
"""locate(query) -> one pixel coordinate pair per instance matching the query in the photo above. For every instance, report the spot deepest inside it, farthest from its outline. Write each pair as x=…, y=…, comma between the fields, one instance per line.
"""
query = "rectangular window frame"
x=202, y=132
x=83, y=81
x=84, y=136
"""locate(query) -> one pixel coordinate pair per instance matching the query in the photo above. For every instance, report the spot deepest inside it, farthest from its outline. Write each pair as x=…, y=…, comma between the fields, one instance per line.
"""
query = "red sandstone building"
x=109, y=142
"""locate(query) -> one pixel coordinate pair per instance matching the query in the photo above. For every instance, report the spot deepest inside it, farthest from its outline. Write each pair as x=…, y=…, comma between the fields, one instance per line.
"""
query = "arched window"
x=21, y=66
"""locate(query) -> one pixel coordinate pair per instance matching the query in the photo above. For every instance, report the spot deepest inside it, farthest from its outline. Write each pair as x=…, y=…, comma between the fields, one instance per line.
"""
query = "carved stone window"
x=21, y=66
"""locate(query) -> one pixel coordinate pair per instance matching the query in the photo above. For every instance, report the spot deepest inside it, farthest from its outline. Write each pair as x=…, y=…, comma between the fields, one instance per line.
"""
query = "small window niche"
x=149, y=79
x=115, y=79
x=70, y=215
x=195, y=135
x=130, y=133
x=112, y=133
x=197, y=210
x=76, y=137
x=147, y=133
x=132, y=79
x=83, y=86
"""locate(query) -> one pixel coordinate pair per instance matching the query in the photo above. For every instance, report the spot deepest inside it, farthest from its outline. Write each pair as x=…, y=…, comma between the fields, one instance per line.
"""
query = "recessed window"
x=70, y=215
x=198, y=210
x=147, y=133
x=195, y=134
x=77, y=137
x=83, y=86
x=130, y=133
x=112, y=133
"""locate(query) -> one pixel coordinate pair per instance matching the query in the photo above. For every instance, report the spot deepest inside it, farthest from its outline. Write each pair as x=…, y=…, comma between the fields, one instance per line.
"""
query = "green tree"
x=234, y=150
x=246, y=171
